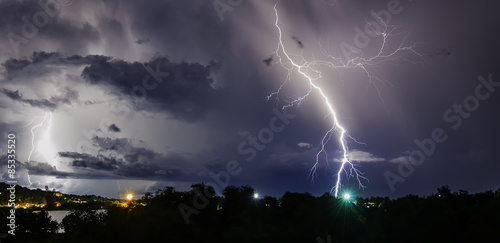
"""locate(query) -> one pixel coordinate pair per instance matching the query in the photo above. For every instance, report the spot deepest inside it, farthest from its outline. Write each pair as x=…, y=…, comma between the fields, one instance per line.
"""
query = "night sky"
x=133, y=96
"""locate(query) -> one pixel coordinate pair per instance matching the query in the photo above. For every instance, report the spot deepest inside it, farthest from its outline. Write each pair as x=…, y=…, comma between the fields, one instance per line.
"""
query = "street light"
x=129, y=196
x=256, y=195
x=347, y=196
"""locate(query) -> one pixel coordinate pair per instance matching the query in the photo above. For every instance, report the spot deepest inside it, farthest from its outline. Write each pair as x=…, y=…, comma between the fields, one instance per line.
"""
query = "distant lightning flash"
x=47, y=118
x=308, y=70
x=35, y=127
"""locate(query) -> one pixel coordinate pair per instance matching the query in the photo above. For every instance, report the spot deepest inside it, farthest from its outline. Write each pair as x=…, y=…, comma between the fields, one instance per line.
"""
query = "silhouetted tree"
x=295, y=217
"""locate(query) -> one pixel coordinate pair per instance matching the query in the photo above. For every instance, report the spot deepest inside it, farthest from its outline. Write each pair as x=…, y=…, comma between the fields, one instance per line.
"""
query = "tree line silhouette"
x=237, y=216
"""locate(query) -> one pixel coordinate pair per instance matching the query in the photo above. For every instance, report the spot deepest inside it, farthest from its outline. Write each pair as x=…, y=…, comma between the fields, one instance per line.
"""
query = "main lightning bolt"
x=312, y=75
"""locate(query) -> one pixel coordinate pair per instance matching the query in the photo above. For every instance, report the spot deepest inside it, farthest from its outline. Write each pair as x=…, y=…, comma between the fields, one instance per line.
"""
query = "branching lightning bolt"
x=33, y=131
x=48, y=115
x=312, y=75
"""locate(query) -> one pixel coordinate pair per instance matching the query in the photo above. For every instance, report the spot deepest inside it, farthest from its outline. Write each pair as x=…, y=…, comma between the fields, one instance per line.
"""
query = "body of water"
x=58, y=215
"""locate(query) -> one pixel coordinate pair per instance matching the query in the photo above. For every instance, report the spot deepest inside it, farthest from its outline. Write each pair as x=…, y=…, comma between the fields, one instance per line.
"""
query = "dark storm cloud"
x=51, y=104
x=37, y=168
x=127, y=161
x=17, y=96
x=40, y=63
x=45, y=169
x=182, y=89
x=57, y=58
x=132, y=167
x=98, y=163
x=63, y=33
x=113, y=128
x=83, y=160
x=123, y=145
x=40, y=168
x=74, y=155
x=94, y=163
x=13, y=65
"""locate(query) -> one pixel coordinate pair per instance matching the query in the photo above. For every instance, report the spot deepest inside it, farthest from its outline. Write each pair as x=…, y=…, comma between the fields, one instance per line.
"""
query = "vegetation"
x=51, y=200
x=295, y=217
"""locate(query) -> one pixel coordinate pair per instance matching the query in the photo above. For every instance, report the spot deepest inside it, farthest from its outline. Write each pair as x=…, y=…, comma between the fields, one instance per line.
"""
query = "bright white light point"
x=256, y=195
x=129, y=196
x=347, y=196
